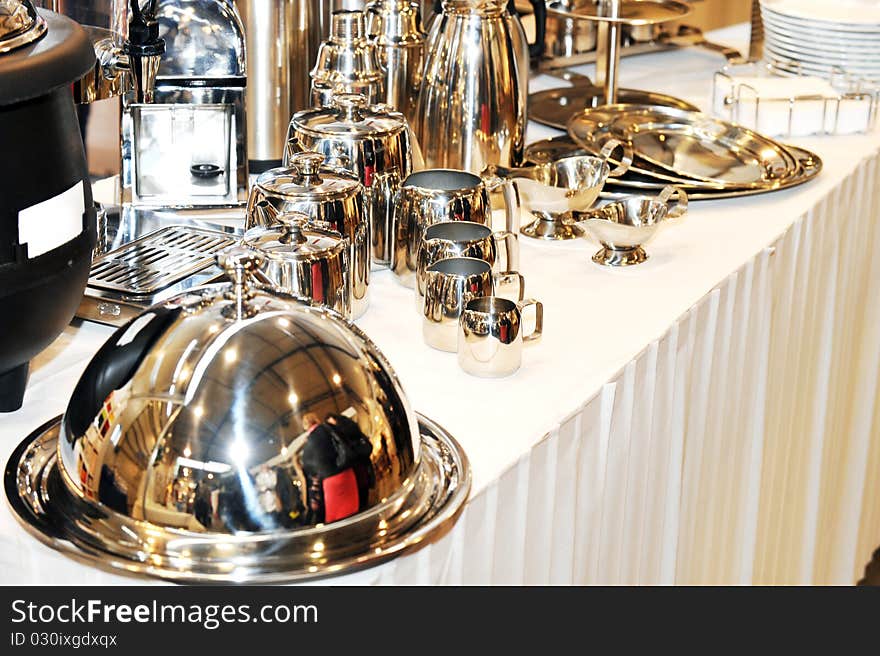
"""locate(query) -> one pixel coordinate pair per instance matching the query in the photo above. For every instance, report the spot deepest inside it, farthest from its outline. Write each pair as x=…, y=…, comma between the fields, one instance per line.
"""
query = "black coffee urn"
x=47, y=217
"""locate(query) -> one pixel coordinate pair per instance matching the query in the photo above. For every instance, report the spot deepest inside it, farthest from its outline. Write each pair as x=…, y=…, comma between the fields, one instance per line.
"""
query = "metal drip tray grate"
x=157, y=261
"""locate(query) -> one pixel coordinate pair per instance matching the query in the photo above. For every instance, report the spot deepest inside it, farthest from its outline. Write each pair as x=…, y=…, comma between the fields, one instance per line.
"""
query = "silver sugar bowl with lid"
x=326, y=195
x=374, y=142
x=236, y=433
x=305, y=260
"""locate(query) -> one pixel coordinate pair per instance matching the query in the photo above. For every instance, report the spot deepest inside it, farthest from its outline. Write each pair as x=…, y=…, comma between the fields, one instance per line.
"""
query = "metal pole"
x=608, y=50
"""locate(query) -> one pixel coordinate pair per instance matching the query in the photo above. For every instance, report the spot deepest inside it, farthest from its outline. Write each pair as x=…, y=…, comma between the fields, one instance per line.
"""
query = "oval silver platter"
x=671, y=144
x=810, y=165
x=57, y=517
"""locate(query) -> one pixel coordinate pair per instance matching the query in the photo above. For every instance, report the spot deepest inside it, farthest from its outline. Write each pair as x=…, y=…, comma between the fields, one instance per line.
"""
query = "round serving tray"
x=809, y=166
x=98, y=536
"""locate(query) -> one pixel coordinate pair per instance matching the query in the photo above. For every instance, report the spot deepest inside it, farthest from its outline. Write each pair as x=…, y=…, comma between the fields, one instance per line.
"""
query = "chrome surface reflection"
x=305, y=260
x=20, y=24
x=221, y=385
x=238, y=433
x=449, y=285
x=96, y=535
x=491, y=335
x=203, y=38
x=466, y=239
x=395, y=27
x=375, y=143
x=677, y=146
x=554, y=192
x=348, y=62
x=623, y=227
x=472, y=105
x=438, y=195
x=282, y=42
x=326, y=195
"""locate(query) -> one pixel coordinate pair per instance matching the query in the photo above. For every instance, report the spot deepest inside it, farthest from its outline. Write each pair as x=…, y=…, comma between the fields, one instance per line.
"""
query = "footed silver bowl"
x=625, y=226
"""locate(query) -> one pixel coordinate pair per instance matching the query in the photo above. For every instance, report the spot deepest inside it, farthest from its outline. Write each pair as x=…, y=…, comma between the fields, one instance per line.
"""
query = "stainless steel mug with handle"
x=466, y=239
x=491, y=335
x=438, y=195
x=449, y=285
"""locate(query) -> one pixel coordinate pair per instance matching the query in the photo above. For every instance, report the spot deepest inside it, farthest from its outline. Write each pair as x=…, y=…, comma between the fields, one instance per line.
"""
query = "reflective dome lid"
x=218, y=384
x=235, y=433
x=308, y=178
x=350, y=114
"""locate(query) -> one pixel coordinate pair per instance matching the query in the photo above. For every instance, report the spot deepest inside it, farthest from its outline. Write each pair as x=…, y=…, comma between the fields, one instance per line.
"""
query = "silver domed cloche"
x=236, y=433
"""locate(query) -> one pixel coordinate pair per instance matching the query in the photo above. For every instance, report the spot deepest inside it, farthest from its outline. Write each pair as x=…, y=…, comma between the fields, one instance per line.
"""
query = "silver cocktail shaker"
x=395, y=28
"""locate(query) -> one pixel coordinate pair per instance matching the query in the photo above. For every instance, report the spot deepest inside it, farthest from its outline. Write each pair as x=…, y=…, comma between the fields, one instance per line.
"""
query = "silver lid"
x=293, y=237
x=19, y=24
x=349, y=114
x=307, y=178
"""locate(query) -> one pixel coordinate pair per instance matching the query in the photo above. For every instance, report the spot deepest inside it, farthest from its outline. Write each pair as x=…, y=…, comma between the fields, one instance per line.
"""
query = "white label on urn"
x=52, y=223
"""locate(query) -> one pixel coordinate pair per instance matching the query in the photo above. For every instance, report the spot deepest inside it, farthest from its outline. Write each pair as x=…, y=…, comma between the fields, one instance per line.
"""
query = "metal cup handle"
x=511, y=249
x=681, y=205
x=626, y=159
x=505, y=279
x=512, y=201
x=535, y=335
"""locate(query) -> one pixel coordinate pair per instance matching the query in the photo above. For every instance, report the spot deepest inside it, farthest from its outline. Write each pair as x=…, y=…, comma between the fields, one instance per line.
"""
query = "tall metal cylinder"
x=282, y=42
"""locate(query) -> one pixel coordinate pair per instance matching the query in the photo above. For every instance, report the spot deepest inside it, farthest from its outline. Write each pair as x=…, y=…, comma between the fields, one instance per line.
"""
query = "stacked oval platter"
x=707, y=157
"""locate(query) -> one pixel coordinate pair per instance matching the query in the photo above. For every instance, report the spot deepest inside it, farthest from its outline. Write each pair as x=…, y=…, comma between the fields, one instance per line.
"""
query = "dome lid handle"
x=241, y=265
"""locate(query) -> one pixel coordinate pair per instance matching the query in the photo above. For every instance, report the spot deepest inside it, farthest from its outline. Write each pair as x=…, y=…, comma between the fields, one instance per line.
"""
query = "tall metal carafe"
x=472, y=105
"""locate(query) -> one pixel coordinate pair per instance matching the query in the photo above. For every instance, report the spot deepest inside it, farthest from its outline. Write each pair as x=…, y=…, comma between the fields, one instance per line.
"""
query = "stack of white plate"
x=822, y=35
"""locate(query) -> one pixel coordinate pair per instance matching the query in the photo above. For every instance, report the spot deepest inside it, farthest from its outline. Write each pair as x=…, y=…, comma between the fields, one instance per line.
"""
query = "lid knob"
x=294, y=224
x=350, y=104
x=308, y=164
x=240, y=263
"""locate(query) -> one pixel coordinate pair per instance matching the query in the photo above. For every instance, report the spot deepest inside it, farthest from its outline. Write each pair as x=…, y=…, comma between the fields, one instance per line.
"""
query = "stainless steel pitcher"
x=282, y=42
x=472, y=105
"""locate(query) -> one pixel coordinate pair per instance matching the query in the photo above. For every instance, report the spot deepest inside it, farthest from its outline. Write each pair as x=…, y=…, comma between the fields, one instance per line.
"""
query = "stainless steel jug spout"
x=262, y=212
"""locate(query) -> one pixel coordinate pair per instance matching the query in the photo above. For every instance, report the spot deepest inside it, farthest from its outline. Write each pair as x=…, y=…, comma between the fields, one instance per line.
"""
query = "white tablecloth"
x=707, y=417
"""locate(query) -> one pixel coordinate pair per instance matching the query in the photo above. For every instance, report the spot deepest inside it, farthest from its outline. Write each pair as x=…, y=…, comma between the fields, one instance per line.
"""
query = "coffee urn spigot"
x=144, y=48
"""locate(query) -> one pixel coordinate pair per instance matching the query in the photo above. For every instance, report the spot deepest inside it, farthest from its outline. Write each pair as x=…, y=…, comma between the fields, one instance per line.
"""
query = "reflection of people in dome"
x=310, y=421
x=202, y=508
x=339, y=472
